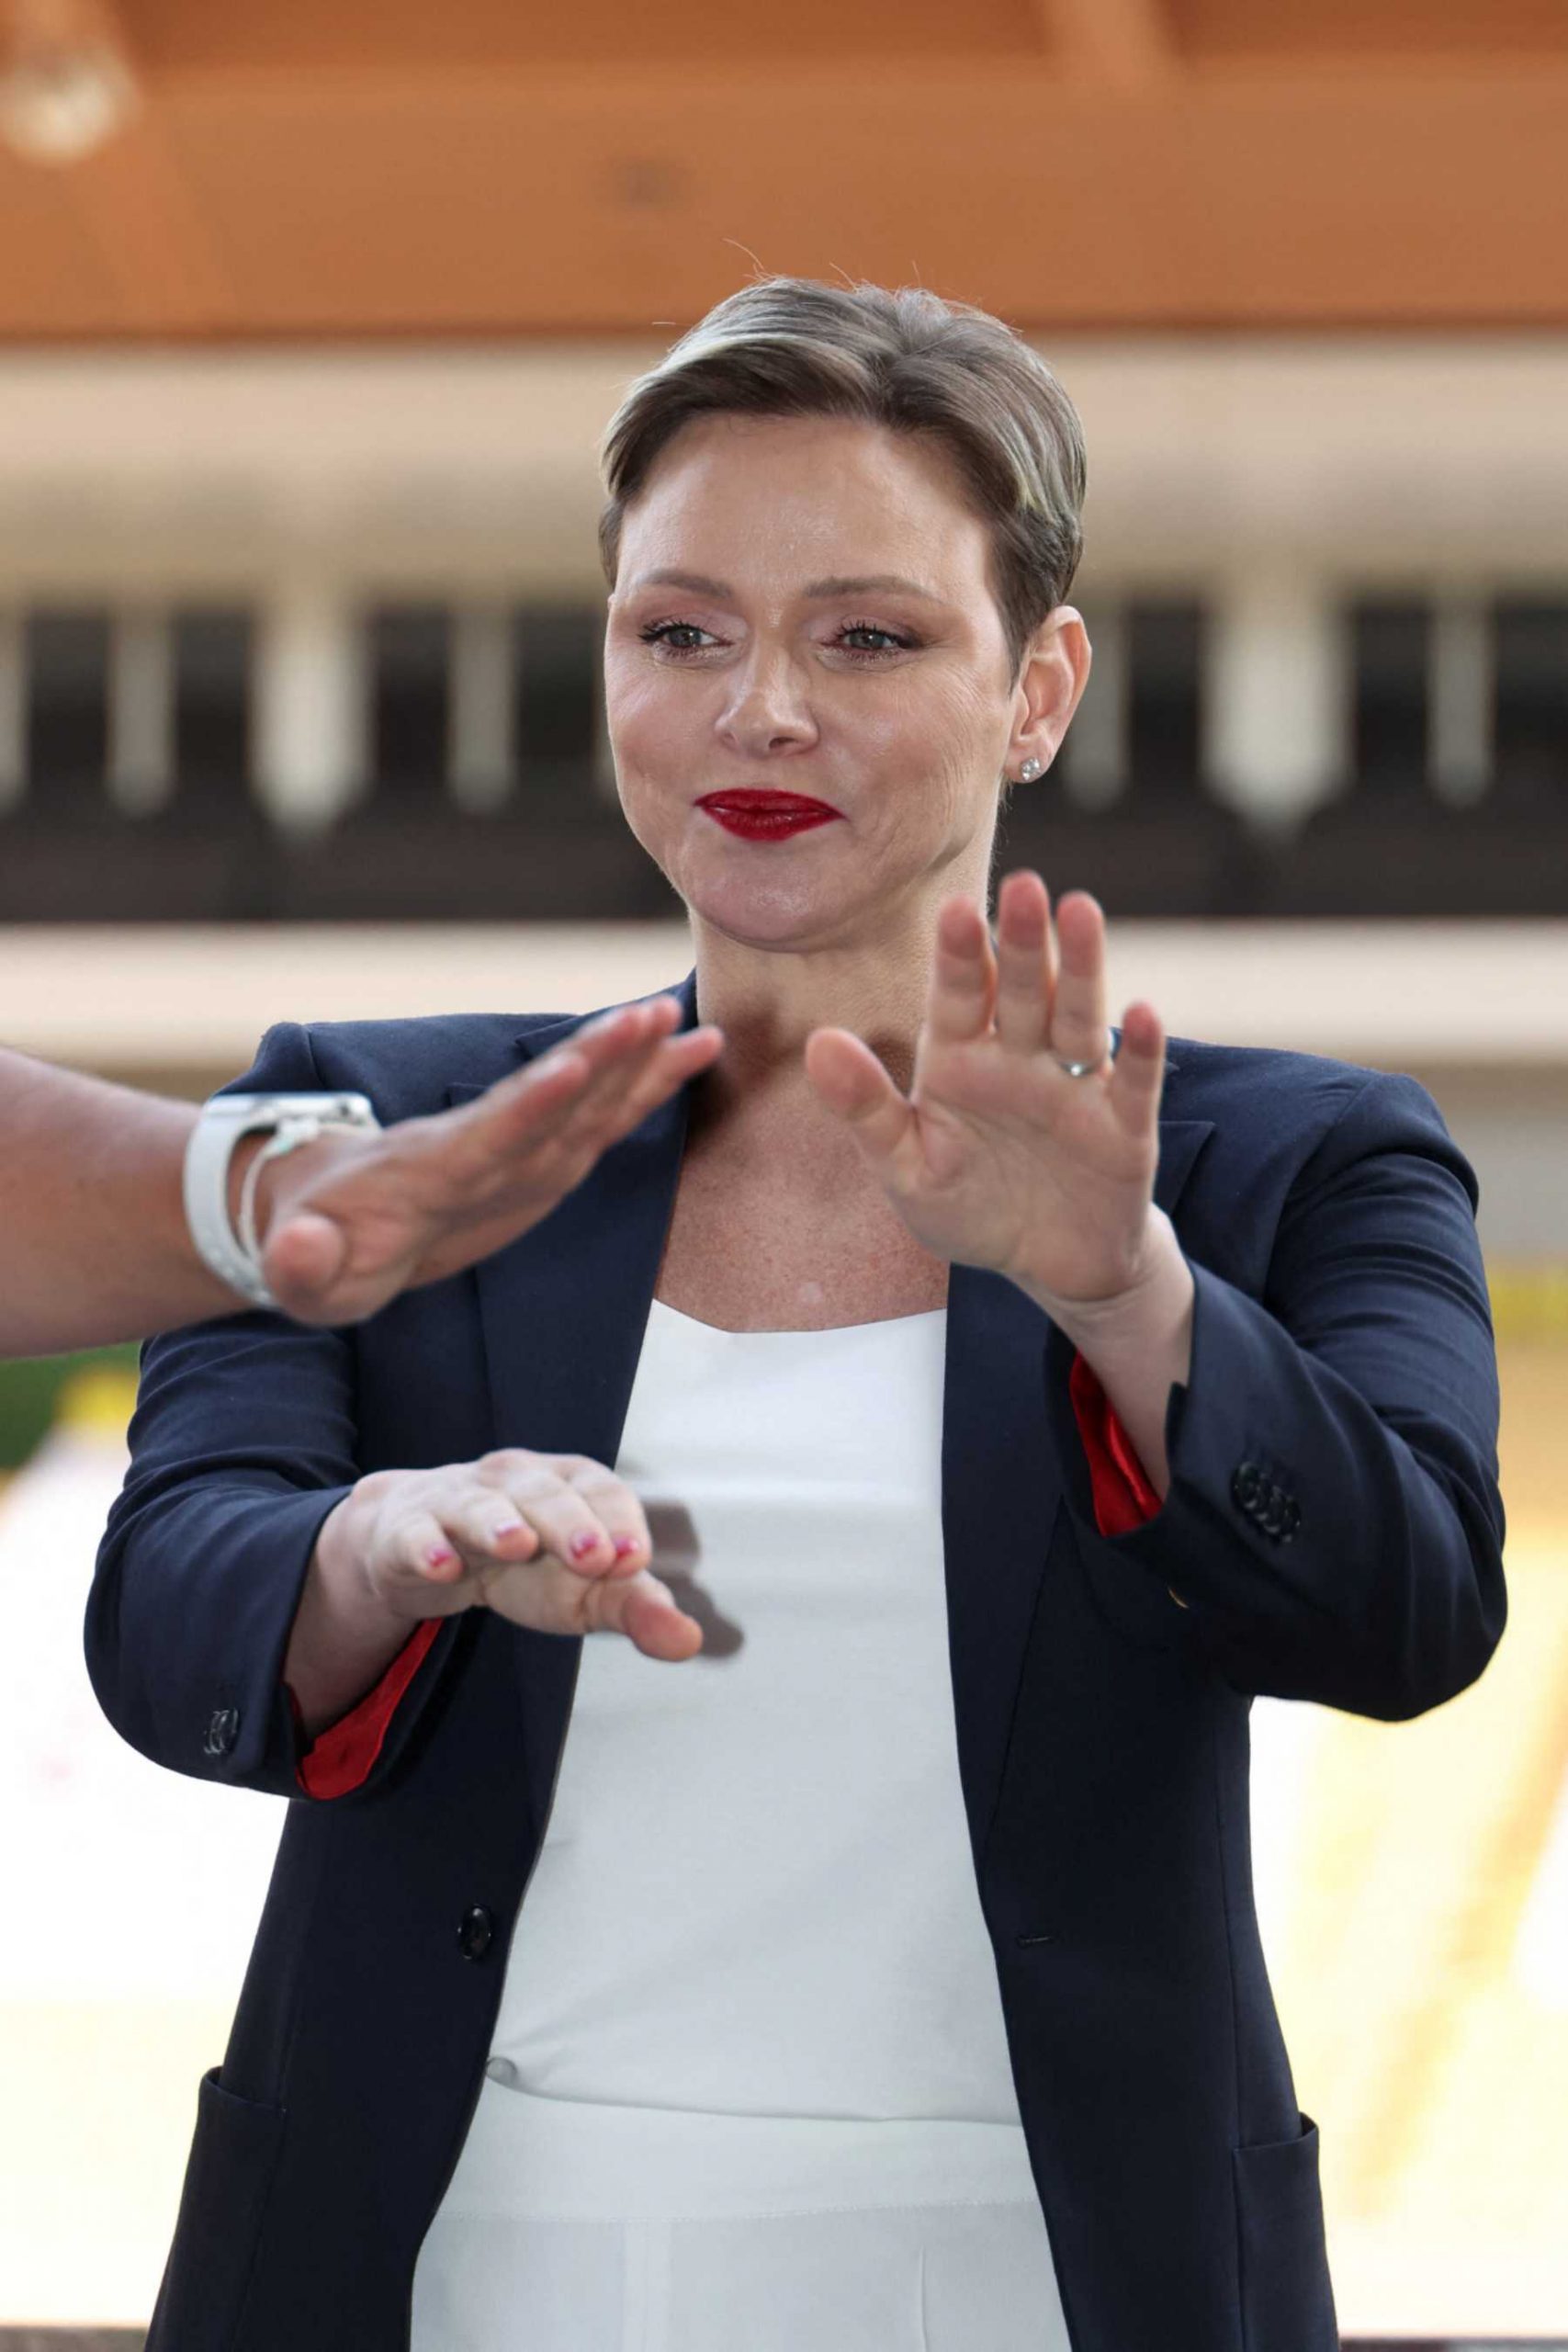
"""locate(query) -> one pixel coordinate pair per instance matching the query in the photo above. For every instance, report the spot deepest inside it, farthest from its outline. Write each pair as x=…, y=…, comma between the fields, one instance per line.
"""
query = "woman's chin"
x=757, y=912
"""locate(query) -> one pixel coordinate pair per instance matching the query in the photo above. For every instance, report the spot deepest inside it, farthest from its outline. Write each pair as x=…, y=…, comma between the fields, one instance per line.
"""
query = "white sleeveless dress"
x=750, y=2083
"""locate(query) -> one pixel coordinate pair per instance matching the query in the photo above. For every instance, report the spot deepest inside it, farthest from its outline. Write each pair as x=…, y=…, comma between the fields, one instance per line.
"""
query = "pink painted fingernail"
x=438, y=1555
x=624, y=1543
x=582, y=1543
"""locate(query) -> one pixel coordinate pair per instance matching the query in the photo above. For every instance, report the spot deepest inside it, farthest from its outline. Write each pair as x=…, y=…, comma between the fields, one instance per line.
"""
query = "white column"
x=1459, y=699
x=13, y=710
x=1096, y=770
x=141, y=711
x=311, y=705
x=482, y=754
x=1276, y=702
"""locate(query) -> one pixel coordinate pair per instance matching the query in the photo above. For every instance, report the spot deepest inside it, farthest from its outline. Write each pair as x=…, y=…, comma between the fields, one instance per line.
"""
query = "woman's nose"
x=769, y=709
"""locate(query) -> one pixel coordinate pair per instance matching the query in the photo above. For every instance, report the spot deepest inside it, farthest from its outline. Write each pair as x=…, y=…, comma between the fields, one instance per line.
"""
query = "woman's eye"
x=891, y=642
x=665, y=632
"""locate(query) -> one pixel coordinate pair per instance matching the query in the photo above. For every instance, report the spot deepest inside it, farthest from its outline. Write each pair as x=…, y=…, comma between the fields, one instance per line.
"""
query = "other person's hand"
x=348, y=1221
x=997, y=1158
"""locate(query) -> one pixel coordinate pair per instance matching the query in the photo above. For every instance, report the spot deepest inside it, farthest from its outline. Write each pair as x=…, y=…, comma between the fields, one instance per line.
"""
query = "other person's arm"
x=94, y=1246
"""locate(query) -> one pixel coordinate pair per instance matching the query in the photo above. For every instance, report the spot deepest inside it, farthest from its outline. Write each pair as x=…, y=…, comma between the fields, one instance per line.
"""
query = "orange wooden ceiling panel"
x=52, y=273
x=303, y=34
x=592, y=202
x=1413, y=31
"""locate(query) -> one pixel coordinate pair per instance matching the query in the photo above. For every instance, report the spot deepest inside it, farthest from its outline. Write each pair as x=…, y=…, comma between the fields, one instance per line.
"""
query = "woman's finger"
x=1137, y=1074
x=851, y=1081
x=645, y=1610
x=1079, y=1031
x=566, y=1524
x=422, y=1546
x=619, y=1512
x=547, y=1597
x=487, y=1525
x=416, y=1567
x=1024, y=962
x=964, y=976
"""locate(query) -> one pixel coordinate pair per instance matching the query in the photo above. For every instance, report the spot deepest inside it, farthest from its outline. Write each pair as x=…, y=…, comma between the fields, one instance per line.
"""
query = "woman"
x=1001, y=1405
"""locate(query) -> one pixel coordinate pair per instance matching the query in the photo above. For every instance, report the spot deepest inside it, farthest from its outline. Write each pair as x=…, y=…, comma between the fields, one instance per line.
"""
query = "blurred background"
x=310, y=315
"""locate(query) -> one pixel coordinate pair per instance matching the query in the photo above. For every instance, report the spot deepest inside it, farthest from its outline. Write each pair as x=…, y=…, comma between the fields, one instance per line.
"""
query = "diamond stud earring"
x=1029, y=770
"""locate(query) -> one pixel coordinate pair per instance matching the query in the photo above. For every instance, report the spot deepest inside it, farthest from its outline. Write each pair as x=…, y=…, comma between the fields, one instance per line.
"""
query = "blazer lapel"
x=563, y=1310
x=1001, y=1488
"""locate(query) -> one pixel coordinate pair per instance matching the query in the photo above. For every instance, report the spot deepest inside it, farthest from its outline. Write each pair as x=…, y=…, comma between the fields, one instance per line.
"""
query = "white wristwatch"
x=293, y=1119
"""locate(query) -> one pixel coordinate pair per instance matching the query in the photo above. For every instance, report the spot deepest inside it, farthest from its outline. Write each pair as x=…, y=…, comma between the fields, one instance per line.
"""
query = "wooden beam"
x=1125, y=44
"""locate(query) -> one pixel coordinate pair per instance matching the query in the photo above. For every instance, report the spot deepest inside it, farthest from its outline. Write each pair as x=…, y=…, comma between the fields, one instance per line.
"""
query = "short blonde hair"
x=899, y=358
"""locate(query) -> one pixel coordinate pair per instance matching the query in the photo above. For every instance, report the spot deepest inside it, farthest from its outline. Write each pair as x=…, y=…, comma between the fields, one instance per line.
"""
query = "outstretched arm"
x=94, y=1246
x=93, y=1239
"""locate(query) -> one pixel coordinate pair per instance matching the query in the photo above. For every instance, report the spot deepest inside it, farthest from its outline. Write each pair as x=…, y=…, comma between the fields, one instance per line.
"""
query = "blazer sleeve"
x=242, y=1442
x=1334, y=1525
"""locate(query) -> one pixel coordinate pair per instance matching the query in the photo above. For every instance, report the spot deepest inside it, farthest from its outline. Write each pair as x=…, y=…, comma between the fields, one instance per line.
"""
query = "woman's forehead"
x=830, y=496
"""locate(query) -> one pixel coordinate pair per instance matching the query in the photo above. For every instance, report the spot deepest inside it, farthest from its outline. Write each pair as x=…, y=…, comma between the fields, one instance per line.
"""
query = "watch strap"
x=225, y=1120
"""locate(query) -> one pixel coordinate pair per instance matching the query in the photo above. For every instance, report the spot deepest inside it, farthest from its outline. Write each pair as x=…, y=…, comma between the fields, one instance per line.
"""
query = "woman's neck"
x=757, y=1101
x=766, y=1029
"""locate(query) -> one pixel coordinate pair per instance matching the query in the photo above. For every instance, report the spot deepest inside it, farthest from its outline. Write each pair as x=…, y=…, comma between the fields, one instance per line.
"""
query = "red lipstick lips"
x=766, y=815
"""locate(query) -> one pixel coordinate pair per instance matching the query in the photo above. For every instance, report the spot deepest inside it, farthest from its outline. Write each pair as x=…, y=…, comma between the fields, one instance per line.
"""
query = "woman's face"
x=802, y=606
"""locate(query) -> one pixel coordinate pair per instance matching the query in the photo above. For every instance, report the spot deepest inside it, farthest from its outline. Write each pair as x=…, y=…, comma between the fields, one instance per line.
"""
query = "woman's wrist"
x=344, y=1633
x=1138, y=1343
x=1151, y=1319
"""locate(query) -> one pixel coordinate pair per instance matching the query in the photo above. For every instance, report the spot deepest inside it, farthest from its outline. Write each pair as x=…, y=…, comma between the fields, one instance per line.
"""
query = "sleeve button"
x=223, y=1731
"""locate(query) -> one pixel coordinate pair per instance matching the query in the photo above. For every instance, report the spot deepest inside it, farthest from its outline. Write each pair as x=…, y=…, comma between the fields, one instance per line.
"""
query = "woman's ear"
x=1050, y=687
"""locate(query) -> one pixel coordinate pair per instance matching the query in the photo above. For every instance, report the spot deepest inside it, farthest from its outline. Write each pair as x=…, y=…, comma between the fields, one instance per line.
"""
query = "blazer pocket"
x=232, y=2159
x=1287, y=2298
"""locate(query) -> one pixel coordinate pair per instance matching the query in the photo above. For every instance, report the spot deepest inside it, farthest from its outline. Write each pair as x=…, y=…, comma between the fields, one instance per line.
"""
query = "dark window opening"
x=67, y=658
x=409, y=648
x=556, y=683
x=1531, y=688
x=212, y=659
x=1164, y=651
x=1390, y=650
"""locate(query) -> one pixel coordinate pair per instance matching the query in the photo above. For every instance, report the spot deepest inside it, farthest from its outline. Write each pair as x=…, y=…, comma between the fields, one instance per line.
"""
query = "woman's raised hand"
x=997, y=1158
x=350, y=1221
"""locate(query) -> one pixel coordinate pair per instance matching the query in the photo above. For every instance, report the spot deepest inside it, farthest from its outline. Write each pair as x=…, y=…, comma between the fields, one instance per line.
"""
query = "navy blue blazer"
x=1333, y=1525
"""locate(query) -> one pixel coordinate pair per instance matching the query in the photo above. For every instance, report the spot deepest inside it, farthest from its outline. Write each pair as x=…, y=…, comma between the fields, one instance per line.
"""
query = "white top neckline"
x=827, y=1331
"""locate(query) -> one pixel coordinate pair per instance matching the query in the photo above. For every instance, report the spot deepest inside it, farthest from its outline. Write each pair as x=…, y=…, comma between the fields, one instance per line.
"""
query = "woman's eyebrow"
x=701, y=585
